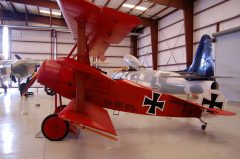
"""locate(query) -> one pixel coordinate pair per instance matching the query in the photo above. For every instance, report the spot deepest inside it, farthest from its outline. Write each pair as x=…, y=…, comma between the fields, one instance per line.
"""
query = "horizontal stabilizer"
x=93, y=117
x=215, y=111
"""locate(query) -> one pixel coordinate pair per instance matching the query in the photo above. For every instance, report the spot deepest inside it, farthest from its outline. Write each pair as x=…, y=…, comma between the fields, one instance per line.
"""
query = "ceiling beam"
x=1, y=6
x=106, y=4
x=179, y=4
x=188, y=24
x=154, y=44
x=26, y=15
x=135, y=6
x=162, y=10
x=7, y=15
x=171, y=3
x=148, y=22
x=10, y=5
x=121, y=5
x=154, y=4
x=134, y=50
x=54, y=5
x=40, y=3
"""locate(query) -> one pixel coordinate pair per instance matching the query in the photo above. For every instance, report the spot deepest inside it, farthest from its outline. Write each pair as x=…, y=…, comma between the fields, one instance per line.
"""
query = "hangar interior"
x=166, y=40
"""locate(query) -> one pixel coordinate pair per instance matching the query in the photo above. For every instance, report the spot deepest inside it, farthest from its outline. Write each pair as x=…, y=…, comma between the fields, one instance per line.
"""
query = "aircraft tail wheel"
x=54, y=128
x=204, y=126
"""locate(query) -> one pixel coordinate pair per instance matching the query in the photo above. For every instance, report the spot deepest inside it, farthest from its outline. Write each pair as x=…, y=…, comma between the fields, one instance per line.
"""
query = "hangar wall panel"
x=227, y=64
x=208, y=15
x=64, y=43
x=36, y=44
x=1, y=51
x=33, y=44
x=30, y=43
x=115, y=54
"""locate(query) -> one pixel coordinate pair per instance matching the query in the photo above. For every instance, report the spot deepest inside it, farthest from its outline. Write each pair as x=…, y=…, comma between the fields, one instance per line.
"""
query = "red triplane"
x=89, y=89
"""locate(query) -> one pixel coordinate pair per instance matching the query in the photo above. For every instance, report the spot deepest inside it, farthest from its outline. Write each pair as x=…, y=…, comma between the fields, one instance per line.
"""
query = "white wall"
x=30, y=44
x=1, y=40
x=115, y=55
x=171, y=36
x=36, y=44
x=227, y=64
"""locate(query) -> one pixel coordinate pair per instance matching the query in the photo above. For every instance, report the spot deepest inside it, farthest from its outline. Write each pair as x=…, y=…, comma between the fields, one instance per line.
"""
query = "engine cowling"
x=60, y=79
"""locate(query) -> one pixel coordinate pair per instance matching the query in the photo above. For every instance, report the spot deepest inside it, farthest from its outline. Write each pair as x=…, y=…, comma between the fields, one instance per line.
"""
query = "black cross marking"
x=212, y=103
x=153, y=104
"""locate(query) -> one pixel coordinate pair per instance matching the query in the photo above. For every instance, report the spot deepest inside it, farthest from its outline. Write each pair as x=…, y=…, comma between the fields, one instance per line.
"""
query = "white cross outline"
x=150, y=105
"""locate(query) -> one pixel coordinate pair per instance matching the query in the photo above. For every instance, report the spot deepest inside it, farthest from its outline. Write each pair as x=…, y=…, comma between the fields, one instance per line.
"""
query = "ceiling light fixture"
x=141, y=8
x=48, y=12
x=128, y=5
x=132, y=6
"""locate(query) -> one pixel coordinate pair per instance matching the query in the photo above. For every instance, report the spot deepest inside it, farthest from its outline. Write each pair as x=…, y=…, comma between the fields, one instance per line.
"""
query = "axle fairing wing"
x=93, y=116
x=103, y=26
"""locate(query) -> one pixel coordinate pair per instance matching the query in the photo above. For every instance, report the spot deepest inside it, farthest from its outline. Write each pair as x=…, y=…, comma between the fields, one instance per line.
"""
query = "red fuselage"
x=119, y=95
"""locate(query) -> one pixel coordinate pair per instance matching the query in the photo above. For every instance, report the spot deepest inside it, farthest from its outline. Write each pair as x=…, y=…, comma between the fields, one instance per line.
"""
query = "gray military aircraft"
x=24, y=69
x=197, y=79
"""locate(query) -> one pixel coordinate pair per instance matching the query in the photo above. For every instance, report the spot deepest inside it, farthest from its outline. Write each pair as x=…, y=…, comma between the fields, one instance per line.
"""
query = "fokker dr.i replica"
x=89, y=89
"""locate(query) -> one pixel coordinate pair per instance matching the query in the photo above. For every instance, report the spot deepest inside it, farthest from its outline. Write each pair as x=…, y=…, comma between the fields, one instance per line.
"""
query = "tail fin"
x=202, y=64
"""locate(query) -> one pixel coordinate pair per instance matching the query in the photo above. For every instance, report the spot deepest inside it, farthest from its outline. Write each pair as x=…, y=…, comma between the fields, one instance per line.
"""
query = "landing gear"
x=5, y=88
x=204, y=126
x=54, y=128
x=49, y=91
x=58, y=109
x=22, y=87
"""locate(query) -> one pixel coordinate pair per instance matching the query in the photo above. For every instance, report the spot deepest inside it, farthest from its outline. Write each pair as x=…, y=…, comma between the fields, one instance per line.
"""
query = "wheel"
x=204, y=127
x=54, y=128
x=59, y=109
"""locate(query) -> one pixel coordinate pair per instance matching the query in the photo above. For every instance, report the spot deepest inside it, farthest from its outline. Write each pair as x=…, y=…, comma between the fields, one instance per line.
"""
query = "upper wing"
x=103, y=26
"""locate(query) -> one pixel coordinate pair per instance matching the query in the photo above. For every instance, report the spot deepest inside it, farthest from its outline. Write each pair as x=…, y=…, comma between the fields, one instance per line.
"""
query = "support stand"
x=24, y=111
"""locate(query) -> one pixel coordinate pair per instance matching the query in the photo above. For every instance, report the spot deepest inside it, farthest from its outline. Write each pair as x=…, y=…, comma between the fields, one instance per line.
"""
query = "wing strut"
x=82, y=58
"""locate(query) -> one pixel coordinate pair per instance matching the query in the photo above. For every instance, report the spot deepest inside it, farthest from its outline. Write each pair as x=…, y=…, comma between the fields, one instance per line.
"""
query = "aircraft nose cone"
x=48, y=73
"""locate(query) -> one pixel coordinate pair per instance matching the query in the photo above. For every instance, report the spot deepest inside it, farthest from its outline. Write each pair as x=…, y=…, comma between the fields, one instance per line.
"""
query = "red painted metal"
x=54, y=128
x=99, y=90
x=73, y=49
x=93, y=116
x=103, y=25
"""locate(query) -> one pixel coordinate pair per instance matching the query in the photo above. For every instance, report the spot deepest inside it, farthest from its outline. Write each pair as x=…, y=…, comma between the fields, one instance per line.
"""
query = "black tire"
x=203, y=127
x=54, y=128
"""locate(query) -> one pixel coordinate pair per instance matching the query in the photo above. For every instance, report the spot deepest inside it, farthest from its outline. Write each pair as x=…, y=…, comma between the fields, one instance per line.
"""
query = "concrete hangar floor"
x=141, y=137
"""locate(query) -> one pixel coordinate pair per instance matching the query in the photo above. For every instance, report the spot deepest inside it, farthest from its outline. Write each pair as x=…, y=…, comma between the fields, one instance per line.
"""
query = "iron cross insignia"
x=212, y=103
x=153, y=103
